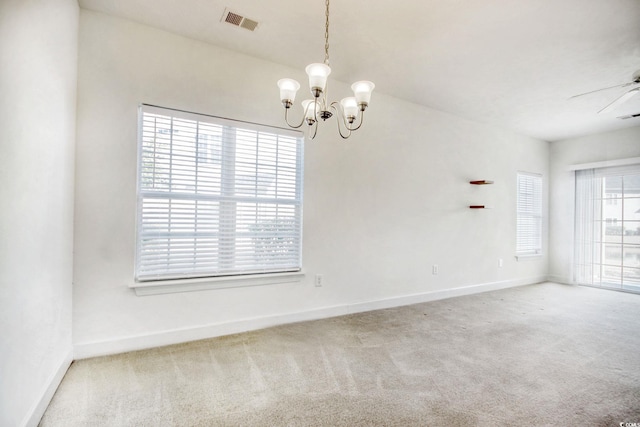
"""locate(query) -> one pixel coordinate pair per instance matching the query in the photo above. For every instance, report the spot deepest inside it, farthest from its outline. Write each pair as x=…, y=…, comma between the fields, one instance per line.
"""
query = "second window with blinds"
x=216, y=197
x=529, y=215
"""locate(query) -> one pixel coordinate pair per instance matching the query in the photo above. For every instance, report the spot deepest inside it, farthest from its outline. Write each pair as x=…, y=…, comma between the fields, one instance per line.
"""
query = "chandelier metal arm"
x=361, y=120
x=340, y=118
x=340, y=130
x=315, y=130
x=286, y=119
x=304, y=117
x=340, y=112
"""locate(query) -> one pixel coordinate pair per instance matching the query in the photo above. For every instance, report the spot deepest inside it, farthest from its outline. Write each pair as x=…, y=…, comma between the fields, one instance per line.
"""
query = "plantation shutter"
x=216, y=197
x=529, y=214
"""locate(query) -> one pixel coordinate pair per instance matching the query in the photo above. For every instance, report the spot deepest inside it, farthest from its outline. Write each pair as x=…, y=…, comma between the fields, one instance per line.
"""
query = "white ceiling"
x=510, y=63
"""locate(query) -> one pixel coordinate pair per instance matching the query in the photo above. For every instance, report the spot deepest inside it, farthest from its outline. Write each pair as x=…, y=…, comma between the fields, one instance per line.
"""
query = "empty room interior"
x=319, y=213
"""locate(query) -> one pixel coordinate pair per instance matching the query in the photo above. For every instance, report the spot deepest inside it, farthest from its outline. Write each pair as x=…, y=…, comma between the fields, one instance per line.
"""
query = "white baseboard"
x=560, y=279
x=442, y=294
x=33, y=417
x=177, y=336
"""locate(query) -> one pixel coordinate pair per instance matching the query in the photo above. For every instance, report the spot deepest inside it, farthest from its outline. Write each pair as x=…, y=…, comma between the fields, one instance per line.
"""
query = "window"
x=607, y=227
x=529, y=215
x=216, y=197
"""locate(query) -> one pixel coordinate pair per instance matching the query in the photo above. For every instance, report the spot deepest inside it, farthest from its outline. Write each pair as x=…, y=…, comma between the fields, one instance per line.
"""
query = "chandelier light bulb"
x=309, y=105
x=318, y=74
x=288, y=90
x=350, y=108
x=362, y=91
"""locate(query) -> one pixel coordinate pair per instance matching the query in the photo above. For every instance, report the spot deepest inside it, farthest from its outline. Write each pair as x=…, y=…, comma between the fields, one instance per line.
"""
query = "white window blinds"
x=216, y=197
x=529, y=214
x=607, y=227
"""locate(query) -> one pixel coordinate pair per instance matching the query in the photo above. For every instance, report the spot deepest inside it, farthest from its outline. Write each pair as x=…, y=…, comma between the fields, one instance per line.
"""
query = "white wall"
x=38, y=67
x=379, y=209
x=615, y=145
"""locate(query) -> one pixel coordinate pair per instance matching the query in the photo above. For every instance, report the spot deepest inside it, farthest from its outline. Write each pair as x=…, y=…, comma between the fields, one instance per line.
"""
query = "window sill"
x=207, y=283
x=528, y=257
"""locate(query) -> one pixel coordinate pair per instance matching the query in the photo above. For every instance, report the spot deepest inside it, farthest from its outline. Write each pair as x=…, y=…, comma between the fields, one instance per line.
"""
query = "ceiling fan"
x=622, y=98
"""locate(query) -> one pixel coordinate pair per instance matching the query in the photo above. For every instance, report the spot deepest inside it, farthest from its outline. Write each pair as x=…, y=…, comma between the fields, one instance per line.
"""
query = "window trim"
x=158, y=287
x=213, y=280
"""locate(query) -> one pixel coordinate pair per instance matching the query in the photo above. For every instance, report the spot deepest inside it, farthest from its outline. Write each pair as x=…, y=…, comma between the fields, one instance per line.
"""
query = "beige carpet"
x=544, y=354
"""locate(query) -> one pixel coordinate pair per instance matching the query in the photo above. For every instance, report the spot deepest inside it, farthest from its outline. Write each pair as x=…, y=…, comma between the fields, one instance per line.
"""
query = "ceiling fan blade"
x=604, y=88
x=620, y=100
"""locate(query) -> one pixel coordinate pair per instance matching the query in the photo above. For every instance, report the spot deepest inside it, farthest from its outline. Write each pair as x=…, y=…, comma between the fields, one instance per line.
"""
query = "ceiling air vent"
x=238, y=20
x=630, y=116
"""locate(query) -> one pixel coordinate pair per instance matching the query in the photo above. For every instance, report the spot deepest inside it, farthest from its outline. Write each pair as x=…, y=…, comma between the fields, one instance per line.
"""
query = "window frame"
x=177, y=281
x=530, y=210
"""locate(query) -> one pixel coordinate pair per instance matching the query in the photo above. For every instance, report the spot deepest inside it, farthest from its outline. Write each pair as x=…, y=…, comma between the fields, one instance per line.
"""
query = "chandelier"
x=349, y=111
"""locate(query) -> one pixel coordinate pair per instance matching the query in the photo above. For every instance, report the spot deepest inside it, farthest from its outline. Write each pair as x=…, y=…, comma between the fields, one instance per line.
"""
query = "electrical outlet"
x=319, y=280
x=500, y=262
x=434, y=269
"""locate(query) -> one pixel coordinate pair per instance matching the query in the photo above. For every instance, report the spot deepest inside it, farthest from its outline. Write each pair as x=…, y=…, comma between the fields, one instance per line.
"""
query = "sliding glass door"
x=607, y=247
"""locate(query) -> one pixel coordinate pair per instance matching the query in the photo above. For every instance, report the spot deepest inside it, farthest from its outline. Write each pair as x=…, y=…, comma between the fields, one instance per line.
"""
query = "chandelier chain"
x=326, y=35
